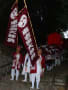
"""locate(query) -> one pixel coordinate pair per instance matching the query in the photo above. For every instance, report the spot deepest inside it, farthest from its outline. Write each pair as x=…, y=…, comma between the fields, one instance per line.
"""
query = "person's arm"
x=43, y=62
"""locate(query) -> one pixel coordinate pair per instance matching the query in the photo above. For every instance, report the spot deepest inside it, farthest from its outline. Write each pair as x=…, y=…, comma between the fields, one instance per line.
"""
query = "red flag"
x=11, y=34
x=55, y=38
x=25, y=31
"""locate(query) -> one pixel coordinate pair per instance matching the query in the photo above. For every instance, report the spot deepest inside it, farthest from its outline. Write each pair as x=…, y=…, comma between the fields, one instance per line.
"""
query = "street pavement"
x=56, y=79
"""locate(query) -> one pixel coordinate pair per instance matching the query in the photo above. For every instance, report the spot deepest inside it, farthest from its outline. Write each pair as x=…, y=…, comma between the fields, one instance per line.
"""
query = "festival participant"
x=37, y=70
x=17, y=61
x=26, y=67
x=57, y=57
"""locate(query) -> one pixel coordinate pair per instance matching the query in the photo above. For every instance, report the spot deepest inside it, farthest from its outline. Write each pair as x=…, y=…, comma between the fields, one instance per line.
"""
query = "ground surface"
x=57, y=79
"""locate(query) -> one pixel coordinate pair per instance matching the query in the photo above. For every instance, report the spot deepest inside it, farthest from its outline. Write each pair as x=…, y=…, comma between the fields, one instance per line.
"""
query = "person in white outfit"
x=57, y=57
x=26, y=67
x=17, y=61
x=37, y=70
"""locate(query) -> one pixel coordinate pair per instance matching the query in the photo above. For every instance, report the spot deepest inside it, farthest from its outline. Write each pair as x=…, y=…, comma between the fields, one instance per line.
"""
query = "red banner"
x=26, y=33
x=11, y=34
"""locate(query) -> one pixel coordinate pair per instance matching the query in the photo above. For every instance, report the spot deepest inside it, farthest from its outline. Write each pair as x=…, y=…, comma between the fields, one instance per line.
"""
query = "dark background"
x=46, y=16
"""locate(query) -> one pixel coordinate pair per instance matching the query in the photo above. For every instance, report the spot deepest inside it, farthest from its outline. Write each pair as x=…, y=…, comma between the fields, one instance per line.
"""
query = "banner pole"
x=16, y=1
x=31, y=25
x=17, y=21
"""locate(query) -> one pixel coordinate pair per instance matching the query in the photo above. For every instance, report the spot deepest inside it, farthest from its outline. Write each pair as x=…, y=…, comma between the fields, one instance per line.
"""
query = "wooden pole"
x=16, y=1
x=17, y=21
x=31, y=25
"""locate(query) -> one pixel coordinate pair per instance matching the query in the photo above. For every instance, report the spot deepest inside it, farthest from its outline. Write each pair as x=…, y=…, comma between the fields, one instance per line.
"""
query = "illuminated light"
x=65, y=34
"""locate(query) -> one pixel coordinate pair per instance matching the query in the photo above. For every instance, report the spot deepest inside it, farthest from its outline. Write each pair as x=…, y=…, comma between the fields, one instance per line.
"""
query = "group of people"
x=53, y=55
x=35, y=72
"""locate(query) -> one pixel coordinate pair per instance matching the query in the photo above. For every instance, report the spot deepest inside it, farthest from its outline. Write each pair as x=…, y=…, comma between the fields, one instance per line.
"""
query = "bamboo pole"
x=31, y=25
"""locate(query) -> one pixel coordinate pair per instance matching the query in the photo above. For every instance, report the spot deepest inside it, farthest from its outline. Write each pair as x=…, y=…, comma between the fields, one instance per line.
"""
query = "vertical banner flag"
x=26, y=33
x=11, y=35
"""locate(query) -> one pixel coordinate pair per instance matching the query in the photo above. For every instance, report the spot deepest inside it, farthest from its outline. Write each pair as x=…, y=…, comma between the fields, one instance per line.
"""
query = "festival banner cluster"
x=19, y=22
x=26, y=34
x=11, y=34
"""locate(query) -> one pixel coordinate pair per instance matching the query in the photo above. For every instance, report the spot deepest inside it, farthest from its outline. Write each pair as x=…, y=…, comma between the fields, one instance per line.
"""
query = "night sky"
x=45, y=15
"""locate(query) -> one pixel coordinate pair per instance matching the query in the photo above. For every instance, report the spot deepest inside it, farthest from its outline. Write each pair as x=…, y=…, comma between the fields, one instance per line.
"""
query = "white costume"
x=57, y=57
x=26, y=67
x=36, y=72
x=16, y=66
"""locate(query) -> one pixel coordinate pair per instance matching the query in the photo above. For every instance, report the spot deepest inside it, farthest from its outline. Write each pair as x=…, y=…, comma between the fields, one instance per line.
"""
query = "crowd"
x=48, y=58
x=53, y=55
x=34, y=71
